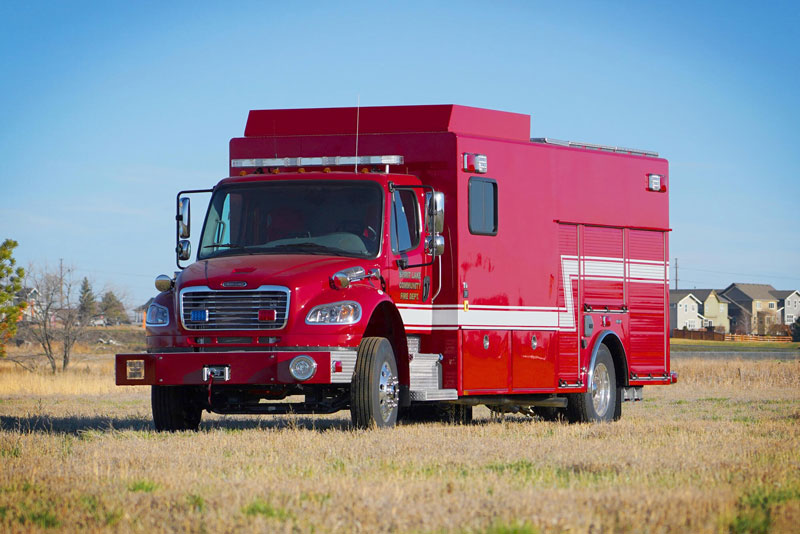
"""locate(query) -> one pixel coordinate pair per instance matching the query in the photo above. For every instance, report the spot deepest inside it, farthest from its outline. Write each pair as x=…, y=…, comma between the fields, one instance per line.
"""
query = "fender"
x=611, y=336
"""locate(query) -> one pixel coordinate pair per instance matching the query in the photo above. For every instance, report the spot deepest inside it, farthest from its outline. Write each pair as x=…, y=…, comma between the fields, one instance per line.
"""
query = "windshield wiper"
x=225, y=245
x=311, y=248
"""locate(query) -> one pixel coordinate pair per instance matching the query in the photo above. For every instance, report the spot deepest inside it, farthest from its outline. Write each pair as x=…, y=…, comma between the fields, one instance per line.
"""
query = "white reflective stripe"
x=569, y=269
x=603, y=268
x=651, y=272
x=494, y=318
x=474, y=306
x=317, y=161
x=595, y=268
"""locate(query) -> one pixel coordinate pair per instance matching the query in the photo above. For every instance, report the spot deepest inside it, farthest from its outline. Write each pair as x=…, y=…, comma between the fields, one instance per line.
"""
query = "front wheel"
x=600, y=401
x=175, y=408
x=375, y=390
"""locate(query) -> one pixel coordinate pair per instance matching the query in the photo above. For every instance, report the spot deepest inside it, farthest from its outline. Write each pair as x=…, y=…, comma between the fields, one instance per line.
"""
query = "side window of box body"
x=482, y=206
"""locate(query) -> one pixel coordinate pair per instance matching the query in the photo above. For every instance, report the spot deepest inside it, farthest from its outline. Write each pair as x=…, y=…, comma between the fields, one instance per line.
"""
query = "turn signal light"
x=134, y=369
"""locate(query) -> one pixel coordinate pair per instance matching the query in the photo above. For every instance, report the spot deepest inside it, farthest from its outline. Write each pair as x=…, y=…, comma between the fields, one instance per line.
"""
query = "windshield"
x=301, y=217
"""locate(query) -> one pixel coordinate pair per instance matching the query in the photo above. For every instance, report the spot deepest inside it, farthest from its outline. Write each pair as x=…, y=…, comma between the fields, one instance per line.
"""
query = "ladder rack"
x=591, y=146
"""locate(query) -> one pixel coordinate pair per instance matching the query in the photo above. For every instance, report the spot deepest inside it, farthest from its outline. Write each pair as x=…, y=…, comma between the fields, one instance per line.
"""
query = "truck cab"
x=297, y=273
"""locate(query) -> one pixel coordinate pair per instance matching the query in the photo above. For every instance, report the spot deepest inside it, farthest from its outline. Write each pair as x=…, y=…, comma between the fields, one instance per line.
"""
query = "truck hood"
x=292, y=271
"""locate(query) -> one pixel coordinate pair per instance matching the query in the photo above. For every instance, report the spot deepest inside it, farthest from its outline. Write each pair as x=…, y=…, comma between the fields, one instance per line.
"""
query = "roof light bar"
x=323, y=161
x=591, y=146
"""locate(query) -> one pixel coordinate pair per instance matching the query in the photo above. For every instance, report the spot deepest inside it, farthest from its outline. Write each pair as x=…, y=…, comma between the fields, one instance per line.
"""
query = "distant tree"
x=10, y=284
x=87, y=303
x=55, y=324
x=113, y=308
x=796, y=330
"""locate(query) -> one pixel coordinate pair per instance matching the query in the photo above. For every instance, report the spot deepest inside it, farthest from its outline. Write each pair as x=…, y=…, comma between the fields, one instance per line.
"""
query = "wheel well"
x=618, y=355
x=386, y=322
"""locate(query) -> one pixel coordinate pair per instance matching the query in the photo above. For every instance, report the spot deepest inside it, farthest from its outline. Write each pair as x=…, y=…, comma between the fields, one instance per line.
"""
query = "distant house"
x=753, y=308
x=788, y=305
x=29, y=295
x=713, y=310
x=684, y=310
x=141, y=310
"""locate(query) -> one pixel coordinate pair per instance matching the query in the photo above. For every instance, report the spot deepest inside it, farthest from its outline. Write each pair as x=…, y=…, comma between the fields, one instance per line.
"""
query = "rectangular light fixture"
x=322, y=161
x=134, y=369
x=477, y=163
x=655, y=183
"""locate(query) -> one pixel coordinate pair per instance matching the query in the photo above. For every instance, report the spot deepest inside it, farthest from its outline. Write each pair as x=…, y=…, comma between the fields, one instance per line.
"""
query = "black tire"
x=175, y=408
x=602, y=398
x=375, y=390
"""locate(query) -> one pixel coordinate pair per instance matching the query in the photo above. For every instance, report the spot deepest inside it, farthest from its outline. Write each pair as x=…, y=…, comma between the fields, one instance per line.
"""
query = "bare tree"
x=55, y=324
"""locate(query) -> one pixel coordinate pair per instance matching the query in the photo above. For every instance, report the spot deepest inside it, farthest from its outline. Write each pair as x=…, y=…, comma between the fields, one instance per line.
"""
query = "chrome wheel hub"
x=388, y=391
x=601, y=389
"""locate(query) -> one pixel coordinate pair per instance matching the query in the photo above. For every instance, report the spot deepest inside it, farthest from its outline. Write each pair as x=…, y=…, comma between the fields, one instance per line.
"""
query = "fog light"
x=134, y=369
x=302, y=367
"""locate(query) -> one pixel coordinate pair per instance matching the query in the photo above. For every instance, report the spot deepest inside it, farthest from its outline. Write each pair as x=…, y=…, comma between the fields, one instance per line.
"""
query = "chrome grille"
x=234, y=309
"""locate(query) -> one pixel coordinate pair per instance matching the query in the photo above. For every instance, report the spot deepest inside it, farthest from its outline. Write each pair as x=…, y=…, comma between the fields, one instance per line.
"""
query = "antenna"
x=358, y=113
x=274, y=138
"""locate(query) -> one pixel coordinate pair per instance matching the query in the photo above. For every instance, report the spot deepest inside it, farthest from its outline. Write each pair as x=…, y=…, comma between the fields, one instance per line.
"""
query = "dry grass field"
x=718, y=452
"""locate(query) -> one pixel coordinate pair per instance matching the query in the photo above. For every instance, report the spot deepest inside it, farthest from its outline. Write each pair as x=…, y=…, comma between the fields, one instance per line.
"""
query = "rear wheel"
x=175, y=408
x=601, y=400
x=375, y=390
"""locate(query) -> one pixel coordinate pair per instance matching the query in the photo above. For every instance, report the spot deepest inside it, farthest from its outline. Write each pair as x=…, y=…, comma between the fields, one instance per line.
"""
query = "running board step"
x=434, y=395
x=425, y=372
x=426, y=379
x=632, y=393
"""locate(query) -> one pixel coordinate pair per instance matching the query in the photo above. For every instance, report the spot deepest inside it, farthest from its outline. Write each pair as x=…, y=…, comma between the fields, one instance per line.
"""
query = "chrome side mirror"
x=437, y=208
x=163, y=282
x=434, y=245
x=184, y=218
x=344, y=278
x=340, y=281
x=184, y=250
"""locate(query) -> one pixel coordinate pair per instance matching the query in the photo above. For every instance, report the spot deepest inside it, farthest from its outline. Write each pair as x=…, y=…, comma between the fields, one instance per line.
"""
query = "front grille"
x=233, y=309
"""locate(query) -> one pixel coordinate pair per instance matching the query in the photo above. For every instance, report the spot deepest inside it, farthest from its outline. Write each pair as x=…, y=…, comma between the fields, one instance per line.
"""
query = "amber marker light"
x=134, y=369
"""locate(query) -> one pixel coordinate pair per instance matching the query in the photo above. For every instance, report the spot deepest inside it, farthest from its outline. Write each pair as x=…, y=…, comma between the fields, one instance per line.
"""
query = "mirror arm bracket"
x=178, y=217
x=403, y=264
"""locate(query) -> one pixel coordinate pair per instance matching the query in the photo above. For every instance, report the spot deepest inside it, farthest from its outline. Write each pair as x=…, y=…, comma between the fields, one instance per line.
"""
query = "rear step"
x=426, y=379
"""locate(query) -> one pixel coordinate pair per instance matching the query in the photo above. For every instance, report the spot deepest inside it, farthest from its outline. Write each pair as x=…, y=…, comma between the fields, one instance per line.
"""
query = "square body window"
x=482, y=206
x=771, y=305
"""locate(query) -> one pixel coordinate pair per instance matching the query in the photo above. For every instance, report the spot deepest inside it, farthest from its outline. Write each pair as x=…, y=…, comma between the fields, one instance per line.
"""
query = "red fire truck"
x=413, y=259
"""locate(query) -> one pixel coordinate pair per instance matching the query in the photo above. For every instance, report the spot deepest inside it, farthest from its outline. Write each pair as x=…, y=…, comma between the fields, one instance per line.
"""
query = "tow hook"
x=219, y=372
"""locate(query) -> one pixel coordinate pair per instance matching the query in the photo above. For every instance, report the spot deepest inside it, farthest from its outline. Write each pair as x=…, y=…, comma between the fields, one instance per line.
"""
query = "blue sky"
x=107, y=109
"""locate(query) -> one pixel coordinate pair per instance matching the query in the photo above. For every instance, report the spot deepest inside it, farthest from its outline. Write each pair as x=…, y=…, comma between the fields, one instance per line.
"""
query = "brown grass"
x=680, y=343
x=717, y=452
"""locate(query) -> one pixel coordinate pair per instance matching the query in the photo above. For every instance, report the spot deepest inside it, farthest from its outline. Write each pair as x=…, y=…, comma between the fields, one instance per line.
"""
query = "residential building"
x=753, y=308
x=788, y=305
x=713, y=310
x=29, y=295
x=684, y=310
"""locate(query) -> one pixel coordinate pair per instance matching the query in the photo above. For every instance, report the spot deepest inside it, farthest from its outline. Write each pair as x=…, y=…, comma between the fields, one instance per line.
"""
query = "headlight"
x=157, y=315
x=347, y=312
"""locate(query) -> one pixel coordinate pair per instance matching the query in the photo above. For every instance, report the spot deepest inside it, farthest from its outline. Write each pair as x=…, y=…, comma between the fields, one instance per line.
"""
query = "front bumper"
x=243, y=368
